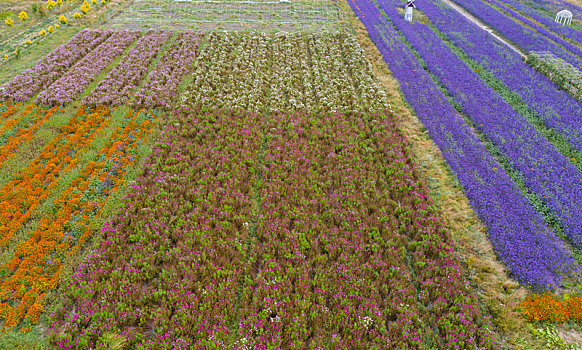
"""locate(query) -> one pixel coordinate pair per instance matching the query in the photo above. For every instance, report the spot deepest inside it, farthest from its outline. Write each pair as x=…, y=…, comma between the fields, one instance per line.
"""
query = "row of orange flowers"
x=551, y=308
x=32, y=185
x=24, y=133
x=7, y=109
x=35, y=267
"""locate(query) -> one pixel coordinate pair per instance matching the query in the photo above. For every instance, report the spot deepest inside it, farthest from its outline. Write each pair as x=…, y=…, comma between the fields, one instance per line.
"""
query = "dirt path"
x=481, y=25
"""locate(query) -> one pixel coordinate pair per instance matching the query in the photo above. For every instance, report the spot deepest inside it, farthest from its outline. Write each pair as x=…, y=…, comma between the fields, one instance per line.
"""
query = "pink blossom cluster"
x=162, y=83
x=121, y=82
x=52, y=66
x=68, y=87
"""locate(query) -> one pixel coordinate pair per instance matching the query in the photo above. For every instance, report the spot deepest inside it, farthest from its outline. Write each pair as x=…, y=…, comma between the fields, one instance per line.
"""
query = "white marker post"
x=408, y=14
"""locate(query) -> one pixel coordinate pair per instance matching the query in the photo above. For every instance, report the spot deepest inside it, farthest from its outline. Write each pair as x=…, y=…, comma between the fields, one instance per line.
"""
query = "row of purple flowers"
x=162, y=83
x=553, y=6
x=523, y=37
x=535, y=18
x=540, y=29
x=68, y=87
x=520, y=237
x=118, y=86
x=24, y=86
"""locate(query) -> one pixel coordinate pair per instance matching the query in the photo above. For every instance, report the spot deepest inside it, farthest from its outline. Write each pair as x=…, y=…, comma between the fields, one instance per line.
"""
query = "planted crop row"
x=167, y=270
x=120, y=83
x=17, y=131
x=524, y=37
x=7, y=109
x=517, y=232
x=243, y=70
x=233, y=71
x=35, y=266
x=162, y=83
x=75, y=80
x=24, y=86
x=556, y=108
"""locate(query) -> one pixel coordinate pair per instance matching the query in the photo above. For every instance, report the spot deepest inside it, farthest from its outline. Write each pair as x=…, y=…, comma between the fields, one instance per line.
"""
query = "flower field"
x=228, y=174
x=32, y=269
x=34, y=22
x=245, y=71
x=556, y=108
x=302, y=269
x=535, y=38
x=540, y=21
x=461, y=74
x=116, y=87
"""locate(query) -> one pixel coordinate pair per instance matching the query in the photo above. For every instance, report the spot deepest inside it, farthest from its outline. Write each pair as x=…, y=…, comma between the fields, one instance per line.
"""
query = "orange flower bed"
x=35, y=267
x=26, y=133
x=11, y=109
x=550, y=308
x=32, y=185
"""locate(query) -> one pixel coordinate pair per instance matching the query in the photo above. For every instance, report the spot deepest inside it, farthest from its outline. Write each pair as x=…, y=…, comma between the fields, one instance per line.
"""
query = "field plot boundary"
x=263, y=16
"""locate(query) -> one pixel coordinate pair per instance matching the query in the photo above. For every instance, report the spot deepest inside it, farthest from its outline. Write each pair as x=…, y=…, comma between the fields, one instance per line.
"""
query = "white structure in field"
x=408, y=14
x=564, y=17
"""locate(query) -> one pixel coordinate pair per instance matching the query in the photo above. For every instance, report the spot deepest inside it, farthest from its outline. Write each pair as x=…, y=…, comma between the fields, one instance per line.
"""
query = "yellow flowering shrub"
x=59, y=3
x=63, y=19
x=51, y=29
x=76, y=15
x=6, y=57
x=23, y=16
x=50, y=5
x=28, y=42
x=42, y=33
x=9, y=22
